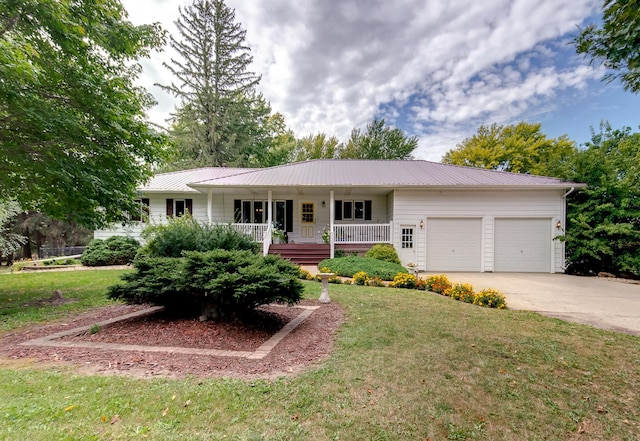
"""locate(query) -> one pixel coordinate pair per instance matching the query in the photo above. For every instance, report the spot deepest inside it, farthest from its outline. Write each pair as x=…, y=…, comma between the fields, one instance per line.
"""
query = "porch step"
x=302, y=253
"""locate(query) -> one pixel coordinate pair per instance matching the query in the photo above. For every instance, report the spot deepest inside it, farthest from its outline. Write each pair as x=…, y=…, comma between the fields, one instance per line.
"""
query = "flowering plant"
x=326, y=234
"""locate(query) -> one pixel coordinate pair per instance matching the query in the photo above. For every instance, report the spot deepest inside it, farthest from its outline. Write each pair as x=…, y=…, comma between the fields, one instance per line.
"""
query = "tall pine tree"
x=220, y=116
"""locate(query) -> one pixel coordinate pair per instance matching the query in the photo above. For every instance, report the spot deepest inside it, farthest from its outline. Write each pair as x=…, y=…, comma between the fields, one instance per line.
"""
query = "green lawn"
x=407, y=365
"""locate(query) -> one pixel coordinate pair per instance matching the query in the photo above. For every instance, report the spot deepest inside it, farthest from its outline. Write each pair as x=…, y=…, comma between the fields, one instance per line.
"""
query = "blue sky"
x=437, y=69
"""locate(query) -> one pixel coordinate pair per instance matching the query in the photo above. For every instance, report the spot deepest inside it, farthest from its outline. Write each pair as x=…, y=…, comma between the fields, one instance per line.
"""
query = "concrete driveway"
x=599, y=302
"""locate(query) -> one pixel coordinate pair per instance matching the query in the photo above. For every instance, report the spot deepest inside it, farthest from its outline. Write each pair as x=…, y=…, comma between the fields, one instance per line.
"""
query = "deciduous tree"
x=520, y=148
x=379, y=142
x=603, y=220
x=74, y=142
x=616, y=42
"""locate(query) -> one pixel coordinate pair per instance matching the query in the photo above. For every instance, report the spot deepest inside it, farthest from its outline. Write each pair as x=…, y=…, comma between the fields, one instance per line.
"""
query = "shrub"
x=490, y=298
x=461, y=291
x=384, y=252
x=187, y=234
x=116, y=250
x=360, y=278
x=438, y=283
x=230, y=282
x=348, y=266
x=404, y=280
x=376, y=281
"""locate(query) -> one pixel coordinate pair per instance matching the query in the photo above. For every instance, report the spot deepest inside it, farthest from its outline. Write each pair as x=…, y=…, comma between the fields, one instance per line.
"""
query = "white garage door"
x=454, y=244
x=523, y=245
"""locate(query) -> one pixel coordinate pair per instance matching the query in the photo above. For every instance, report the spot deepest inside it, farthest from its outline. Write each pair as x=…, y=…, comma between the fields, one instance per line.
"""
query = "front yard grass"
x=407, y=365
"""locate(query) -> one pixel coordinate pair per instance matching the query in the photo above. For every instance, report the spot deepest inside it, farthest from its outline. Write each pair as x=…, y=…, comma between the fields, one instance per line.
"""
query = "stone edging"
x=261, y=352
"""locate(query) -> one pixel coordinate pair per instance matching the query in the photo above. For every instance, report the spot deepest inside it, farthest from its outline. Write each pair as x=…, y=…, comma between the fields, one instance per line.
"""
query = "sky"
x=437, y=69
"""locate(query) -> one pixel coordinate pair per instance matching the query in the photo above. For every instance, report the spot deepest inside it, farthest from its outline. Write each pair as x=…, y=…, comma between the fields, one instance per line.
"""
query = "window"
x=308, y=213
x=178, y=207
x=407, y=238
x=255, y=212
x=352, y=210
x=142, y=212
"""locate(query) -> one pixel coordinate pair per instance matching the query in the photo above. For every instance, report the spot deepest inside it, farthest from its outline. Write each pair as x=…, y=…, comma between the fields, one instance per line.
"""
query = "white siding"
x=411, y=206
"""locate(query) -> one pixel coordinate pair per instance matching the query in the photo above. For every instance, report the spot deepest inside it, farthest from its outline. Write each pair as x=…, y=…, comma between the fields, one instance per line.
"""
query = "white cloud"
x=437, y=68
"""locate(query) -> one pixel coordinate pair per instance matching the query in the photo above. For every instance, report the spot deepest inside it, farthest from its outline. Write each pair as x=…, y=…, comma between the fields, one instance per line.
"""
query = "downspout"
x=564, y=220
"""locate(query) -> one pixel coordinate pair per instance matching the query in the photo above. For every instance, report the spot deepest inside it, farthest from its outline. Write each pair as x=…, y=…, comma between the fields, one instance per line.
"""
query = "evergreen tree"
x=221, y=115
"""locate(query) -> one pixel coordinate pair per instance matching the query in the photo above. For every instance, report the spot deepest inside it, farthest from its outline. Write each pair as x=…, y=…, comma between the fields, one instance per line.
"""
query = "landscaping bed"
x=307, y=344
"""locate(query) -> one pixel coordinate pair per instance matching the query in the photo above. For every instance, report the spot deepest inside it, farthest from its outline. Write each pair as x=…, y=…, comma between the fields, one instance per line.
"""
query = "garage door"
x=454, y=244
x=523, y=245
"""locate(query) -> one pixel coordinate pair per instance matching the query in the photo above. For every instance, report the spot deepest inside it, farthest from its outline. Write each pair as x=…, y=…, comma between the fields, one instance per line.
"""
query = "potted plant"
x=278, y=236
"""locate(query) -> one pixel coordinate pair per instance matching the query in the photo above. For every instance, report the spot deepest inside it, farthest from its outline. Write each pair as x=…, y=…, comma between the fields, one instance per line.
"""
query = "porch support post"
x=269, y=204
x=210, y=205
x=332, y=208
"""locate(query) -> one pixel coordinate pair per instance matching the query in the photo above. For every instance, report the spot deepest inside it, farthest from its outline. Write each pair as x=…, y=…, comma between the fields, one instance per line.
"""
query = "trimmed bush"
x=439, y=283
x=404, y=280
x=229, y=282
x=383, y=251
x=461, y=291
x=187, y=234
x=348, y=266
x=116, y=250
x=490, y=298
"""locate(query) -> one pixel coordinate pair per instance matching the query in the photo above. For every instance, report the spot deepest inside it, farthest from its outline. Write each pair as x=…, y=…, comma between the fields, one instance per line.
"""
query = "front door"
x=307, y=222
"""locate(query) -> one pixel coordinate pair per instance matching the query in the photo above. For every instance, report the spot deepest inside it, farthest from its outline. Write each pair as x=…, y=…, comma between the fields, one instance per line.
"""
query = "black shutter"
x=237, y=210
x=145, y=209
x=338, y=210
x=169, y=207
x=367, y=210
x=289, y=215
x=189, y=206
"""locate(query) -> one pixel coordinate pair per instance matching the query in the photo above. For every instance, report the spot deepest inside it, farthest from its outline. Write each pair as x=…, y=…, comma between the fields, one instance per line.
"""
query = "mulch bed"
x=308, y=344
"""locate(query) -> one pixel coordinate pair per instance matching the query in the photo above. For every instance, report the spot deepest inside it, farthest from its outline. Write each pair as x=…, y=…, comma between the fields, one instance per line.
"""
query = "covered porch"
x=347, y=218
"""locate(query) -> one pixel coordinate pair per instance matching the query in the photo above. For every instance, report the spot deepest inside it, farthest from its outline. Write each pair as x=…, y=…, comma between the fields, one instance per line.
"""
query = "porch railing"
x=256, y=231
x=362, y=233
x=266, y=240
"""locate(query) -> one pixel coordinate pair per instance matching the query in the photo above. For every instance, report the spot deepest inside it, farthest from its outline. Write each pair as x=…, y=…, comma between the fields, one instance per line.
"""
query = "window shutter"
x=367, y=210
x=145, y=209
x=189, y=205
x=338, y=210
x=169, y=207
x=237, y=210
x=289, y=215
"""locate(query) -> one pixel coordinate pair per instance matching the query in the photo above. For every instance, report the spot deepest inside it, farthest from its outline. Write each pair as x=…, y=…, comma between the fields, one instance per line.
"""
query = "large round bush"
x=350, y=265
x=383, y=251
x=116, y=250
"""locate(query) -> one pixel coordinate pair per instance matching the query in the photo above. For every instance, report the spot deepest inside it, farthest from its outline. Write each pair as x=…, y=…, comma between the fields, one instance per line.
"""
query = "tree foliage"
x=520, y=148
x=221, y=118
x=379, y=142
x=616, y=42
x=603, y=220
x=10, y=241
x=73, y=138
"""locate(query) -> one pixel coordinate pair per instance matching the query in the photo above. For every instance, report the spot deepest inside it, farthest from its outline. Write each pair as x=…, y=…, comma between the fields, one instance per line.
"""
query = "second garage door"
x=523, y=245
x=454, y=244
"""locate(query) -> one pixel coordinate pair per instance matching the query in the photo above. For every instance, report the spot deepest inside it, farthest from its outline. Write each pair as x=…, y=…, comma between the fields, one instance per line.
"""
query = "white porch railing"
x=362, y=233
x=266, y=240
x=256, y=231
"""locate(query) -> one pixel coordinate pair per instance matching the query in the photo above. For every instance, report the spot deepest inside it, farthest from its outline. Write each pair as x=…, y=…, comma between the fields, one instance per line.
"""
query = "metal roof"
x=377, y=173
x=178, y=181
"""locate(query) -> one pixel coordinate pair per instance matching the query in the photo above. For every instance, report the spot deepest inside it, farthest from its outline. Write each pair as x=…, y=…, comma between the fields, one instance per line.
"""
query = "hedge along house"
x=440, y=217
